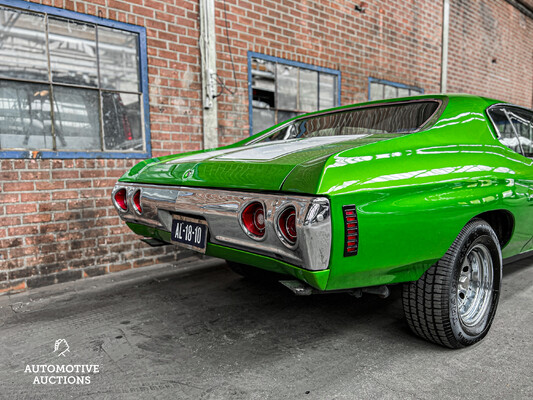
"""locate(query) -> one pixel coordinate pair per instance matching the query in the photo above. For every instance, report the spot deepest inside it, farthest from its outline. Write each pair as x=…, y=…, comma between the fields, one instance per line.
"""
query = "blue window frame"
x=381, y=89
x=71, y=85
x=280, y=89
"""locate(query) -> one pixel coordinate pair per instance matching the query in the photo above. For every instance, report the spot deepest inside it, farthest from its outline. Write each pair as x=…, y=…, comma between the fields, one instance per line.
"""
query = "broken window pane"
x=283, y=91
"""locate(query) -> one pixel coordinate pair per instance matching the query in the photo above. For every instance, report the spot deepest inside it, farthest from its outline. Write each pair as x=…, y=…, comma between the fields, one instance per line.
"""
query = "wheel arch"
x=502, y=222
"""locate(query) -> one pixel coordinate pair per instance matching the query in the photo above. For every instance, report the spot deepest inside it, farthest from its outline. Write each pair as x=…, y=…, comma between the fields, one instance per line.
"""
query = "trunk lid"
x=261, y=166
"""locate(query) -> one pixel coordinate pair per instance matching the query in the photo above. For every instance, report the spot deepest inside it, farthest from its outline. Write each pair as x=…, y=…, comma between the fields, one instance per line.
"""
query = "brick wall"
x=57, y=221
x=491, y=50
x=397, y=41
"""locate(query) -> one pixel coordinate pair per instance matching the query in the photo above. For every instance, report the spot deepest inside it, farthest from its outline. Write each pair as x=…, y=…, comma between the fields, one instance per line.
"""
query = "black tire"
x=253, y=273
x=441, y=305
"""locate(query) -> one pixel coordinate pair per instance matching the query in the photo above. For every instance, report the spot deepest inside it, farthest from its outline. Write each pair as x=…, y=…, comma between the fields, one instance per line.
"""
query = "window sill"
x=37, y=154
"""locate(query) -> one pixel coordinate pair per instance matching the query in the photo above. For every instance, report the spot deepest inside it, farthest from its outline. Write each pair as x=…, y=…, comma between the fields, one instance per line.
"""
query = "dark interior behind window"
x=382, y=119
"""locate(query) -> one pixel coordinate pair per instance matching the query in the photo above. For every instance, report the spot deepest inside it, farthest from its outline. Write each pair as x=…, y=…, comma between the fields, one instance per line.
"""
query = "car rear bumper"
x=222, y=209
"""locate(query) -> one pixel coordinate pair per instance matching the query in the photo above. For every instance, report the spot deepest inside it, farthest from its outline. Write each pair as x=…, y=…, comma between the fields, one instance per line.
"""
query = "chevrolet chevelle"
x=433, y=192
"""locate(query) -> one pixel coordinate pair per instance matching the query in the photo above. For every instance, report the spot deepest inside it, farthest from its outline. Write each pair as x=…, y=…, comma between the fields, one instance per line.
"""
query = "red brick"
x=9, y=197
x=49, y=185
x=21, y=208
x=65, y=194
x=36, y=218
x=35, y=196
x=18, y=186
x=119, y=267
x=10, y=287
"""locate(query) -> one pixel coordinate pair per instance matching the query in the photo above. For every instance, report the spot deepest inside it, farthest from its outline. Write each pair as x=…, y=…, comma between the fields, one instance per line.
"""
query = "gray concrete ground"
x=204, y=333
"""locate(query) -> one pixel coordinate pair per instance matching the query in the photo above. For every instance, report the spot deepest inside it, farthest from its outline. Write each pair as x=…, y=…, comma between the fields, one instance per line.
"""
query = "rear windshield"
x=390, y=118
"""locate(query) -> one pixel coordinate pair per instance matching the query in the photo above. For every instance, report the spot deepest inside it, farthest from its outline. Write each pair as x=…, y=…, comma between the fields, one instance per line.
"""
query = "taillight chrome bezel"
x=137, y=208
x=243, y=225
x=117, y=204
x=277, y=226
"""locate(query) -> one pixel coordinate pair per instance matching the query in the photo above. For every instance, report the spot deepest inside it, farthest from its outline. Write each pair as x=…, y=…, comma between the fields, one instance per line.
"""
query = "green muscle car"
x=433, y=192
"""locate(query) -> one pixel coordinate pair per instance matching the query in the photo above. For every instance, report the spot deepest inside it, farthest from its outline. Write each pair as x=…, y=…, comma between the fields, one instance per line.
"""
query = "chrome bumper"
x=221, y=209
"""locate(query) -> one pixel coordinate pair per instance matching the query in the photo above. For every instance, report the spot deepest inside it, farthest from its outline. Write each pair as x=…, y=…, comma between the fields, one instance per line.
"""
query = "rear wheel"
x=253, y=273
x=454, y=302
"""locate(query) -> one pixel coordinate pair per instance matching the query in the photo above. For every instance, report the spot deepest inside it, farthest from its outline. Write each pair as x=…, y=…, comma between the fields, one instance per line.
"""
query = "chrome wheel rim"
x=474, y=290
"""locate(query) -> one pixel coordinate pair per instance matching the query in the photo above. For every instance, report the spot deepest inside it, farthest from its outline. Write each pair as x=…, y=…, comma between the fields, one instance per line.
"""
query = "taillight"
x=351, y=231
x=120, y=199
x=253, y=219
x=287, y=225
x=137, y=201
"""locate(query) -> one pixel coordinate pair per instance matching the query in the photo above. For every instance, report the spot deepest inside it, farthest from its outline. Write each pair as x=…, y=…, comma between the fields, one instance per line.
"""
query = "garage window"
x=379, y=89
x=71, y=85
x=281, y=89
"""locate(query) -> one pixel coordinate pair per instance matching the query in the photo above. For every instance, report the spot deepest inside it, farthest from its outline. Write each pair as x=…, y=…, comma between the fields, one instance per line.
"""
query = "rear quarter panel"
x=415, y=194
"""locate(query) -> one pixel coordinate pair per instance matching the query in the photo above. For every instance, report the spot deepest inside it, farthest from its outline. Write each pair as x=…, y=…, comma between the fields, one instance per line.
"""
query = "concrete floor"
x=204, y=333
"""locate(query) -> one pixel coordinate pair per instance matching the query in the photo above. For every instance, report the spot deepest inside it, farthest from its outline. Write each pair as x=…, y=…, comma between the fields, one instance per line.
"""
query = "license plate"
x=189, y=232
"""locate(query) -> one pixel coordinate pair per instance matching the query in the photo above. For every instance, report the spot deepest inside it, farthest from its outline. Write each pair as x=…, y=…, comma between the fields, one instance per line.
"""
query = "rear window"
x=382, y=119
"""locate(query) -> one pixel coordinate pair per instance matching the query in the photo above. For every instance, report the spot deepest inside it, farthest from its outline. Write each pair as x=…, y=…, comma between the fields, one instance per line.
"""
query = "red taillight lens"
x=287, y=225
x=120, y=199
x=253, y=219
x=137, y=201
x=351, y=231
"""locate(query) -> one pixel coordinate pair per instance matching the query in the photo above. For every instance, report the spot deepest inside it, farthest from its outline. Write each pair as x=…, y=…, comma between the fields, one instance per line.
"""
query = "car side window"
x=515, y=128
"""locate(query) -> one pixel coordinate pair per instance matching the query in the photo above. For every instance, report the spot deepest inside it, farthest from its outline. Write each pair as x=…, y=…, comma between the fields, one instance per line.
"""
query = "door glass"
x=515, y=127
x=523, y=123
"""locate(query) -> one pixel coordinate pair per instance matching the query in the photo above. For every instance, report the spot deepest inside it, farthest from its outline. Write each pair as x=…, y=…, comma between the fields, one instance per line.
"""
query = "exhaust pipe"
x=300, y=288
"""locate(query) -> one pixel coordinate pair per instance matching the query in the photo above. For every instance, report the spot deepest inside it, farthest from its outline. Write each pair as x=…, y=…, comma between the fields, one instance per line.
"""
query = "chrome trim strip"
x=221, y=209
